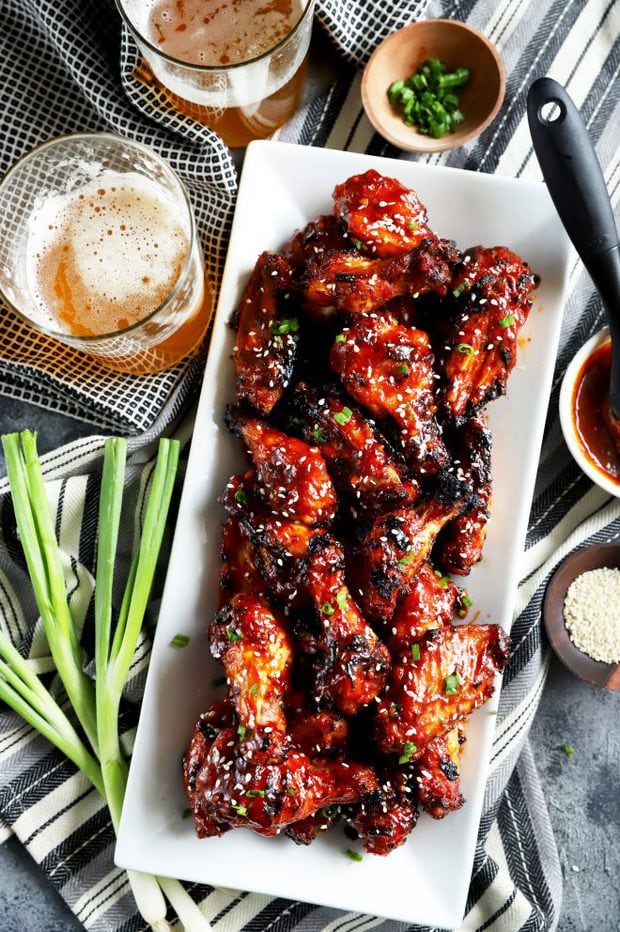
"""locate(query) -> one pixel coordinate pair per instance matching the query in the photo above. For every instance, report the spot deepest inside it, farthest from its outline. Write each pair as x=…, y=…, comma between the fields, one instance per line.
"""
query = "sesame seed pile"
x=592, y=614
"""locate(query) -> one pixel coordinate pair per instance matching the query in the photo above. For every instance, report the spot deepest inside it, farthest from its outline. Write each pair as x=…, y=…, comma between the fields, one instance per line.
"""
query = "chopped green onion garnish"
x=406, y=559
x=464, y=286
x=569, y=750
x=241, y=497
x=179, y=640
x=429, y=98
x=344, y=416
x=465, y=348
x=465, y=600
x=319, y=435
x=403, y=369
x=240, y=810
x=452, y=684
x=342, y=599
x=412, y=225
x=409, y=749
x=327, y=609
x=354, y=855
x=253, y=793
x=254, y=689
x=340, y=338
x=507, y=321
x=241, y=730
x=415, y=651
x=288, y=325
x=233, y=635
x=357, y=243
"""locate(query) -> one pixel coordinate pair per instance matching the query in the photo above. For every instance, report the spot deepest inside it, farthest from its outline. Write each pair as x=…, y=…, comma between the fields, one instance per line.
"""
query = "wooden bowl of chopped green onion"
x=433, y=85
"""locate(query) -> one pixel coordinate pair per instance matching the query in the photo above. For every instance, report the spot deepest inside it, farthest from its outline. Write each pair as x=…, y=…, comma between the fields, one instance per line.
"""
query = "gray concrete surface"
x=583, y=793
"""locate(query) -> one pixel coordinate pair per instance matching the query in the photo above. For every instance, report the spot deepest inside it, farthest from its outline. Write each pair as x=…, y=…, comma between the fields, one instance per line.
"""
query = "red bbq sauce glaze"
x=590, y=395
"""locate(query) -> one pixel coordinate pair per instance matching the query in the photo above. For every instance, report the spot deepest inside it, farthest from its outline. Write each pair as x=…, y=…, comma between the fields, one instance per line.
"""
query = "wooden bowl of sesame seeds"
x=578, y=661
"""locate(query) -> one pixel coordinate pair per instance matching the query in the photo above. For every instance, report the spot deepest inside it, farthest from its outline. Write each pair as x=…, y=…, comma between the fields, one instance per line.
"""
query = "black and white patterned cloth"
x=67, y=65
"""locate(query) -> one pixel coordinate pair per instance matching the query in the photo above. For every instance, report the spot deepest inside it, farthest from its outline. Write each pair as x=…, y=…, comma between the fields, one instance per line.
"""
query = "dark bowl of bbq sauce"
x=585, y=415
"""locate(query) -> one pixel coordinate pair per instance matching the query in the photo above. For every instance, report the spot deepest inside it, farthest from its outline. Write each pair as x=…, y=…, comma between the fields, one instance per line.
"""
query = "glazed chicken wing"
x=266, y=344
x=352, y=663
x=320, y=236
x=386, y=817
x=384, y=216
x=429, y=605
x=238, y=566
x=492, y=298
x=428, y=696
x=460, y=544
x=394, y=549
x=357, y=458
x=437, y=775
x=355, y=284
x=389, y=369
x=292, y=477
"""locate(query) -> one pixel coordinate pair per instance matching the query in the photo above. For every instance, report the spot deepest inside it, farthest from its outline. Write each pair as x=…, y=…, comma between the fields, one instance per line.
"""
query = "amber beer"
x=238, y=66
x=100, y=261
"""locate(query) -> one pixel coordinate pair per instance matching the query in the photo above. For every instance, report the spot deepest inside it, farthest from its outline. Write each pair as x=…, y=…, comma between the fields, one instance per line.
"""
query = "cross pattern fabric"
x=70, y=66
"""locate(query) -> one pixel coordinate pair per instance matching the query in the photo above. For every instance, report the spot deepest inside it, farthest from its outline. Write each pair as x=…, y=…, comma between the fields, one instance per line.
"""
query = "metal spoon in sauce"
x=577, y=188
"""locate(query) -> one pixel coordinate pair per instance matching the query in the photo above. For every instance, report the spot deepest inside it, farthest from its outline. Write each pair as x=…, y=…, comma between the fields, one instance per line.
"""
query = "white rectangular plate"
x=426, y=880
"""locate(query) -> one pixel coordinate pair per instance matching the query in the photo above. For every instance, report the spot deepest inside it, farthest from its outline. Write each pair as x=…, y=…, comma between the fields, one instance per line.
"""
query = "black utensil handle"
x=574, y=178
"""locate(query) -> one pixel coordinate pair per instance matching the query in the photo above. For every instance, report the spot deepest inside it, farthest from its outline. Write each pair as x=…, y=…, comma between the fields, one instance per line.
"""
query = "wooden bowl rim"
x=594, y=556
x=450, y=140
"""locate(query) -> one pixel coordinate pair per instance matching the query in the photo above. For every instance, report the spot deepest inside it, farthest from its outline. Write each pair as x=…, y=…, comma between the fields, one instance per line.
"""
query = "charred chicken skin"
x=437, y=775
x=461, y=543
x=428, y=696
x=292, y=477
x=394, y=550
x=358, y=460
x=388, y=369
x=354, y=284
x=492, y=297
x=352, y=663
x=363, y=355
x=264, y=352
x=381, y=214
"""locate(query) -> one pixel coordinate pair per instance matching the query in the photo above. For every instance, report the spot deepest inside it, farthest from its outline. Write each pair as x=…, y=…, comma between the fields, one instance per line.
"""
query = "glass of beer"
x=99, y=249
x=238, y=66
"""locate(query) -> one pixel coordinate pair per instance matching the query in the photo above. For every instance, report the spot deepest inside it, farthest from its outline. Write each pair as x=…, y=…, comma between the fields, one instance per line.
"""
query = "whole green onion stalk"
x=96, y=707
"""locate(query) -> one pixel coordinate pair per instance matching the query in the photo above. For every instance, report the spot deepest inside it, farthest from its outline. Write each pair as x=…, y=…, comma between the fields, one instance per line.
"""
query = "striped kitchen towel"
x=72, y=49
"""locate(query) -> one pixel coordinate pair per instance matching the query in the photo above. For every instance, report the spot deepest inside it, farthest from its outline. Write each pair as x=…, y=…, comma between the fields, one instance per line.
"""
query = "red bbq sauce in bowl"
x=590, y=395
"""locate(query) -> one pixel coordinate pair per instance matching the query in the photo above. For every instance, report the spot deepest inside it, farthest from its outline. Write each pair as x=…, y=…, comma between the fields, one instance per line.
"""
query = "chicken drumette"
x=492, y=297
x=266, y=343
x=461, y=542
x=388, y=369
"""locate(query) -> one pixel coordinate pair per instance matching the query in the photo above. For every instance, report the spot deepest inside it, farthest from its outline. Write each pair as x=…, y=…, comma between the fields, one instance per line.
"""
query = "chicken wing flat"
x=256, y=650
x=355, y=284
x=388, y=369
x=394, y=549
x=292, y=476
x=437, y=775
x=266, y=344
x=238, y=567
x=384, y=216
x=353, y=663
x=428, y=696
x=325, y=234
x=462, y=540
x=357, y=458
x=428, y=606
x=387, y=816
x=281, y=548
x=492, y=293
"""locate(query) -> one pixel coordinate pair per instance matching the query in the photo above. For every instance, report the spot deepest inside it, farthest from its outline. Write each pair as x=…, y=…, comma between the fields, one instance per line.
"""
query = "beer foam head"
x=106, y=254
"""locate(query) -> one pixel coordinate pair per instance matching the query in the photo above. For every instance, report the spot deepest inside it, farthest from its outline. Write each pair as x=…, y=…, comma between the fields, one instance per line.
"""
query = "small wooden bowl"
x=589, y=558
x=402, y=53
